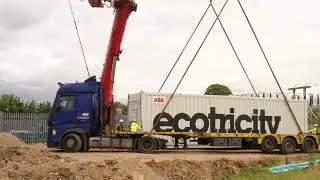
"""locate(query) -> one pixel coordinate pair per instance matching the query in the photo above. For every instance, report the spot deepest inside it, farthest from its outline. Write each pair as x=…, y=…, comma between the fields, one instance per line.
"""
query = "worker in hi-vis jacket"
x=314, y=129
x=135, y=127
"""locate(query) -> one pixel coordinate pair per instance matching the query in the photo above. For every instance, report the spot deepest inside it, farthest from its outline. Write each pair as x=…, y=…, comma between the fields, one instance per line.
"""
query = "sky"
x=39, y=46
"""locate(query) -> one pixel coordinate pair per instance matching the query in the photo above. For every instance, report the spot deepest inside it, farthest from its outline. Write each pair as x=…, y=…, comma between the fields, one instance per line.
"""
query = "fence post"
x=1, y=122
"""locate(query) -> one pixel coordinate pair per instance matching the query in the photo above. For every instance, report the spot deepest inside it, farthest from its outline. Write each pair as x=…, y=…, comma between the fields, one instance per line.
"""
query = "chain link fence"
x=29, y=127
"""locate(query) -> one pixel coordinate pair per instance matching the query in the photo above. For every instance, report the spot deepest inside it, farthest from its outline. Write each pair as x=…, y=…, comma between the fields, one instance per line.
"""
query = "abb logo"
x=159, y=100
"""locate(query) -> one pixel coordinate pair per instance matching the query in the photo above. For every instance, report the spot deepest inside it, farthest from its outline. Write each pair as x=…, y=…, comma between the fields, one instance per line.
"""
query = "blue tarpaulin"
x=292, y=166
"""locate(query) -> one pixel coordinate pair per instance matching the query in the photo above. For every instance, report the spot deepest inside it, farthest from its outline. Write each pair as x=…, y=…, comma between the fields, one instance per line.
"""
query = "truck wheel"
x=268, y=144
x=309, y=145
x=71, y=143
x=147, y=144
x=288, y=146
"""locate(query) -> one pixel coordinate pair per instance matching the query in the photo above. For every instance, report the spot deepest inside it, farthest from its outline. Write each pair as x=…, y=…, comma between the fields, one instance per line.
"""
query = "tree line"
x=14, y=104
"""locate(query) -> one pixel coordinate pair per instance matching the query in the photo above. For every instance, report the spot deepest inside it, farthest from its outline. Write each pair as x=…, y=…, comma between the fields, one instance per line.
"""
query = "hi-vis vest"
x=313, y=130
x=134, y=127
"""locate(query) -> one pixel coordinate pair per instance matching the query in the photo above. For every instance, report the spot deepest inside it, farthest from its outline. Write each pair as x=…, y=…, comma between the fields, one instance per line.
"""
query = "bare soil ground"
x=192, y=155
x=37, y=162
x=8, y=139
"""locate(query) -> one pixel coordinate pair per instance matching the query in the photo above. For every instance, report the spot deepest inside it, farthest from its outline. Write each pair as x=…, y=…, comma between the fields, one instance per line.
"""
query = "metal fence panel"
x=29, y=127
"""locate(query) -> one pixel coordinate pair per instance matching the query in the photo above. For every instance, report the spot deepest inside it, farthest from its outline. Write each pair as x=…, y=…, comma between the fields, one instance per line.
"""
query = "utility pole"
x=304, y=88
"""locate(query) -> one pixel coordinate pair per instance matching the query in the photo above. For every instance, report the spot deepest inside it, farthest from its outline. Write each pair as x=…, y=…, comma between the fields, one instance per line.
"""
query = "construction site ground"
x=21, y=161
x=170, y=154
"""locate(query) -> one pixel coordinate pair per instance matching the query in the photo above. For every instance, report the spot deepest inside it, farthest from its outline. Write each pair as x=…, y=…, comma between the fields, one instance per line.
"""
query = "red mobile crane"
x=123, y=10
x=82, y=112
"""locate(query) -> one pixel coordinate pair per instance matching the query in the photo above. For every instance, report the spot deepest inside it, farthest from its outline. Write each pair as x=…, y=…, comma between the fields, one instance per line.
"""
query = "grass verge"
x=262, y=173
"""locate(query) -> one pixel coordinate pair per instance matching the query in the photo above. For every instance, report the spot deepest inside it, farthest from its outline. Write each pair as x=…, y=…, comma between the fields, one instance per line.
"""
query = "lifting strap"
x=184, y=74
x=184, y=48
x=79, y=39
x=273, y=74
x=235, y=52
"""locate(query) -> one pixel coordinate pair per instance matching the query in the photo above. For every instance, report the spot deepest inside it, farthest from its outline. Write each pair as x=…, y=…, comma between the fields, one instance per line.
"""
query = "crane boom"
x=123, y=9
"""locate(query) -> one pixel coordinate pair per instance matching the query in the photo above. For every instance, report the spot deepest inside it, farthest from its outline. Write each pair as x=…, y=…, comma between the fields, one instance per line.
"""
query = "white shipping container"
x=255, y=113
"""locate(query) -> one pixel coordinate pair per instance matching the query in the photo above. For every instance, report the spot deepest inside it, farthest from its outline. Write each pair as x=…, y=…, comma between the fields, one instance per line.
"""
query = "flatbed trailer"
x=147, y=142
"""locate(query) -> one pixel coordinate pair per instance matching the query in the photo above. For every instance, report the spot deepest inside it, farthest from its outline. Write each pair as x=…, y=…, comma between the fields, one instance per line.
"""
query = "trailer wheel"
x=268, y=144
x=309, y=145
x=288, y=146
x=147, y=144
x=71, y=143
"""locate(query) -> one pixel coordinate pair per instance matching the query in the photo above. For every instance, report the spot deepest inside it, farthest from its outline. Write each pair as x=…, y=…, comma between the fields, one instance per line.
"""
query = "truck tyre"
x=288, y=146
x=309, y=145
x=147, y=144
x=71, y=143
x=268, y=144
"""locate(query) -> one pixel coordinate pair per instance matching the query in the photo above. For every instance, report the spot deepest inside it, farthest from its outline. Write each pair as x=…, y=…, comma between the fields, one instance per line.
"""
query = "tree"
x=31, y=106
x=10, y=103
x=14, y=104
x=218, y=89
x=44, y=107
x=123, y=107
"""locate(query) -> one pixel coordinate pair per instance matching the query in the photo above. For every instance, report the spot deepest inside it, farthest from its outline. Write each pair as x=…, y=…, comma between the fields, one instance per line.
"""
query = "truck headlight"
x=54, y=132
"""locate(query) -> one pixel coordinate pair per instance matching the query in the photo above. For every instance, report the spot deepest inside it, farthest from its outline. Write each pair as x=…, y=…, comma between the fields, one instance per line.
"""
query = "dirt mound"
x=24, y=155
x=213, y=169
x=9, y=139
x=27, y=162
x=37, y=162
x=182, y=169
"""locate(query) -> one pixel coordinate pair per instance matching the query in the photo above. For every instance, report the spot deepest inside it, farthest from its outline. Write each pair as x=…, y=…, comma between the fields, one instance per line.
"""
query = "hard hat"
x=121, y=121
x=315, y=125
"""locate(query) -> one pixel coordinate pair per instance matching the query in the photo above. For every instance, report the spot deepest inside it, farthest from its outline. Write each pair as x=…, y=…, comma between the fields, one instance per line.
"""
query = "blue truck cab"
x=76, y=122
x=75, y=115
